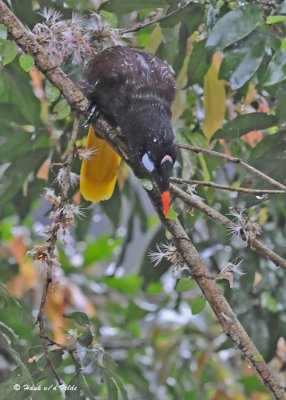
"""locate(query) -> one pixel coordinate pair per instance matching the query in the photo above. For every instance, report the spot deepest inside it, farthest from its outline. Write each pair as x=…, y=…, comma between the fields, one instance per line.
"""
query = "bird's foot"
x=121, y=135
x=93, y=114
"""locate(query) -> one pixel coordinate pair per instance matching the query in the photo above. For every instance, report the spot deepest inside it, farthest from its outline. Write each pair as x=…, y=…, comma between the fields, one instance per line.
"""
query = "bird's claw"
x=93, y=114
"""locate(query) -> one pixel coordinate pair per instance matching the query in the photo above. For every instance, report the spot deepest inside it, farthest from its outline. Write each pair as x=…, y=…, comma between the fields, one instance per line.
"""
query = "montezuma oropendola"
x=133, y=90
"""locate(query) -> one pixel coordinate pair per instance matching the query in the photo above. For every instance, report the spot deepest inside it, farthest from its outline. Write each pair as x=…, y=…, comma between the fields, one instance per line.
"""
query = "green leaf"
x=191, y=16
x=3, y=32
x=6, y=299
x=112, y=391
x=101, y=248
x=173, y=20
x=21, y=105
x=276, y=71
x=78, y=383
x=269, y=302
x=62, y=109
x=86, y=337
x=126, y=6
x=190, y=21
x=109, y=363
x=168, y=235
x=7, y=330
x=198, y=304
x=280, y=105
x=167, y=51
x=26, y=62
x=269, y=156
x=52, y=92
x=17, y=173
x=241, y=61
x=274, y=19
x=8, y=50
x=234, y=26
x=244, y=124
x=185, y=284
x=129, y=284
x=146, y=183
x=252, y=384
x=232, y=57
x=121, y=387
x=5, y=343
x=79, y=317
x=199, y=63
x=248, y=66
x=172, y=214
x=155, y=288
x=56, y=357
x=7, y=387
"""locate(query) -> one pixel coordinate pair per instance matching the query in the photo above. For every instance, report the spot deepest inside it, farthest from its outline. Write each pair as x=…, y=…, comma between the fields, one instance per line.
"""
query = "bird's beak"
x=165, y=172
x=166, y=201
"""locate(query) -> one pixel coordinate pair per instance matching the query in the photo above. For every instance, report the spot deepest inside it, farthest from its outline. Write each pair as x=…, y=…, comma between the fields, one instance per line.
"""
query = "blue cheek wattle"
x=148, y=164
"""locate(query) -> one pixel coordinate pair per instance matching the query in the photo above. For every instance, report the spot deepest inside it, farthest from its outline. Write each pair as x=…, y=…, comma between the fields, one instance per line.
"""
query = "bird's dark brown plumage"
x=135, y=91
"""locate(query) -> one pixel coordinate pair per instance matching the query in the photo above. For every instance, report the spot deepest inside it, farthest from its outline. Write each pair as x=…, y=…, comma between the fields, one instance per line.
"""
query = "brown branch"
x=28, y=43
x=142, y=25
x=221, y=219
x=257, y=192
x=50, y=259
x=234, y=160
x=219, y=304
x=41, y=322
x=231, y=325
x=71, y=154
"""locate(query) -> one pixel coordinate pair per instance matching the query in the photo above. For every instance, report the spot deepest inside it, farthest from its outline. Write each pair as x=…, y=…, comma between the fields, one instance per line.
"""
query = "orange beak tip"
x=165, y=201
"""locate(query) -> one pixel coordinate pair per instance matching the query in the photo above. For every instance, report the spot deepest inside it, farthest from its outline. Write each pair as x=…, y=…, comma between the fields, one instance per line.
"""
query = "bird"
x=134, y=90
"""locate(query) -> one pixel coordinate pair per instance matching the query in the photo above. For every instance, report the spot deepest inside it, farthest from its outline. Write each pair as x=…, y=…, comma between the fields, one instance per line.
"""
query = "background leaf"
x=234, y=26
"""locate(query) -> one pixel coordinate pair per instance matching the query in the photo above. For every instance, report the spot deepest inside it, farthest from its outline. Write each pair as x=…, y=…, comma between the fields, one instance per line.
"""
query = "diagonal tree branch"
x=257, y=192
x=28, y=43
x=186, y=249
x=234, y=160
x=227, y=223
x=149, y=22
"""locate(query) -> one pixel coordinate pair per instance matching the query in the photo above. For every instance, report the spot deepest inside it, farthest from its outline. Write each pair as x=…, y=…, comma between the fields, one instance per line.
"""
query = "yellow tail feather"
x=98, y=174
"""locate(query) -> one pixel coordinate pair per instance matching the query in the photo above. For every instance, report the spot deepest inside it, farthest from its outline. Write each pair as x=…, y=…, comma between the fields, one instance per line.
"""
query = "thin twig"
x=257, y=192
x=71, y=154
x=142, y=25
x=41, y=322
x=234, y=160
x=221, y=219
x=51, y=241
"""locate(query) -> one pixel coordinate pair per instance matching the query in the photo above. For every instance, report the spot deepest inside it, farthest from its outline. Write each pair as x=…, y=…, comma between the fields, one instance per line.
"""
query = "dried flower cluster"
x=86, y=154
x=170, y=253
x=227, y=273
x=75, y=39
x=43, y=260
x=246, y=225
x=62, y=217
x=61, y=177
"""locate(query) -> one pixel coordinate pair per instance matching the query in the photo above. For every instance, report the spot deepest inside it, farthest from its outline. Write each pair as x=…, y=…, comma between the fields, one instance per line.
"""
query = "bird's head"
x=159, y=160
x=150, y=135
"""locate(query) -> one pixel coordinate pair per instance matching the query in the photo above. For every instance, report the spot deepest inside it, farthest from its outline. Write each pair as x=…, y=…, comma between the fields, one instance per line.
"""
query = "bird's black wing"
x=120, y=76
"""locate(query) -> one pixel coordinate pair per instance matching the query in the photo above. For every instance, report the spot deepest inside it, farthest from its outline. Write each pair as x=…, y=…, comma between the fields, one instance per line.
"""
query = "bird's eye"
x=148, y=163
